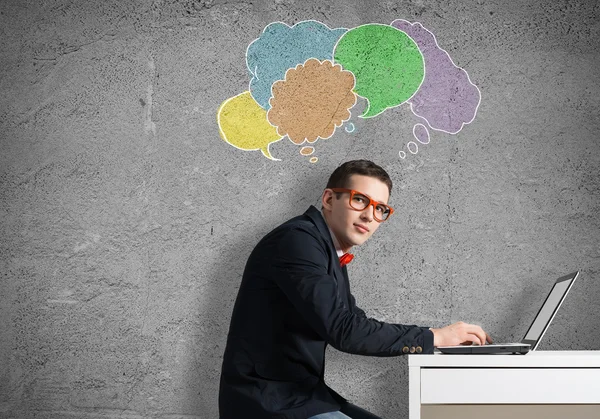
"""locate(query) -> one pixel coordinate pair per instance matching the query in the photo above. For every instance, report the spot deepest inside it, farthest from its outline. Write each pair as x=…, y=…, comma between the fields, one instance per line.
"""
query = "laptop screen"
x=549, y=308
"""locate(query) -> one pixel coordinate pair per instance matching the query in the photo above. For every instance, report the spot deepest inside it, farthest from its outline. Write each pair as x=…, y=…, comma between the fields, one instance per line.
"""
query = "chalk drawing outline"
x=426, y=130
x=420, y=84
x=454, y=64
x=408, y=146
x=224, y=137
x=329, y=33
x=307, y=150
x=255, y=72
x=335, y=126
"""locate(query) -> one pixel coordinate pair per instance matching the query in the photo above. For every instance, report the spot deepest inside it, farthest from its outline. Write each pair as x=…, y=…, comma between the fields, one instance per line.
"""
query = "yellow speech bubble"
x=244, y=125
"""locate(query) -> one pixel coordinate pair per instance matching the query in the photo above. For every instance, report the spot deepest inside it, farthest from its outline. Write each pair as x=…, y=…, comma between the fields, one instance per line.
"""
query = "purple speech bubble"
x=447, y=99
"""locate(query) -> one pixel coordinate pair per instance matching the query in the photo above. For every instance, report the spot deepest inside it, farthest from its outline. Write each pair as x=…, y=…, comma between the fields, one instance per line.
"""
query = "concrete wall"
x=127, y=220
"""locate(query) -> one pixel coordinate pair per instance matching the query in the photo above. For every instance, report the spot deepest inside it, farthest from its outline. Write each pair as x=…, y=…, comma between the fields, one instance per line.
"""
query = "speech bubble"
x=281, y=47
x=312, y=100
x=447, y=99
x=386, y=62
x=244, y=125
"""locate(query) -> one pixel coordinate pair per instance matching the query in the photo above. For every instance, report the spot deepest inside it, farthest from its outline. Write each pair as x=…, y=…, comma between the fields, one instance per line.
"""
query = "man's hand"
x=460, y=333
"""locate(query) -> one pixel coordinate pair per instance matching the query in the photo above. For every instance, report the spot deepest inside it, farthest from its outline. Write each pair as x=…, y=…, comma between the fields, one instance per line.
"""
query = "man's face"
x=352, y=227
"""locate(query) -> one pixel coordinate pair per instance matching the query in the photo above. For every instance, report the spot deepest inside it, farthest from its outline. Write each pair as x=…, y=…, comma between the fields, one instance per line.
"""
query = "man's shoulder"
x=303, y=222
x=307, y=225
x=301, y=235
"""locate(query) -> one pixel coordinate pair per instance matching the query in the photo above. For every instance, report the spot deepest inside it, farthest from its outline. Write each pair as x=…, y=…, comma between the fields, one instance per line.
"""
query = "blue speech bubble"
x=281, y=47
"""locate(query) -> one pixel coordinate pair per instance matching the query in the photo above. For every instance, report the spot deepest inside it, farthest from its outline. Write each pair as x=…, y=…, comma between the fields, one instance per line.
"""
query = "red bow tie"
x=345, y=259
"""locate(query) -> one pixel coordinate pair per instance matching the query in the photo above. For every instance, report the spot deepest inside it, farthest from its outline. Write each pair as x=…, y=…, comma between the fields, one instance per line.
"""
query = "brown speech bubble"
x=312, y=100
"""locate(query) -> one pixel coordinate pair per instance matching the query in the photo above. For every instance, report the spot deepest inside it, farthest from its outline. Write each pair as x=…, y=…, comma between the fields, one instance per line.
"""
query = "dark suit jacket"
x=295, y=299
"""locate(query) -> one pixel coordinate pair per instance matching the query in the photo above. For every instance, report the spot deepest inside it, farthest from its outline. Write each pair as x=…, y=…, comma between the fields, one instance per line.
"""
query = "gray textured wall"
x=126, y=220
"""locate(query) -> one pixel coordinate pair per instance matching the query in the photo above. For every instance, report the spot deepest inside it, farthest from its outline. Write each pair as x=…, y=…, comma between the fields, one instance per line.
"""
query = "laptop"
x=535, y=332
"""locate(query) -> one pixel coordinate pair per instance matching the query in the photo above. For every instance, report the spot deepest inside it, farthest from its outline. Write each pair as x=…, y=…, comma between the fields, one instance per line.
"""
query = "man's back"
x=293, y=300
x=274, y=359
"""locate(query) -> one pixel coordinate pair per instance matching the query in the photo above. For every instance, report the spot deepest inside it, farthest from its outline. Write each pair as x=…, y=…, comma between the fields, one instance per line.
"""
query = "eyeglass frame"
x=371, y=202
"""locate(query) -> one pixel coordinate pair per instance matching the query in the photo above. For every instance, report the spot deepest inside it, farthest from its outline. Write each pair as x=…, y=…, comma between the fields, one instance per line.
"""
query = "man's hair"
x=340, y=178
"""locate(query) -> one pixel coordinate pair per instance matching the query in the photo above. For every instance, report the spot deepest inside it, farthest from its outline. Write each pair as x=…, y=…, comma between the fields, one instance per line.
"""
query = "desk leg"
x=414, y=392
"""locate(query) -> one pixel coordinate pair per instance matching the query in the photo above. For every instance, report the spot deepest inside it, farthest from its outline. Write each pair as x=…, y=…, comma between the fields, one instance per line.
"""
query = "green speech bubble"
x=386, y=62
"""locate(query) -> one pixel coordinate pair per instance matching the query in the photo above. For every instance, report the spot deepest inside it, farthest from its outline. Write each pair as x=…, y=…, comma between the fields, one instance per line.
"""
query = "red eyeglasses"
x=359, y=201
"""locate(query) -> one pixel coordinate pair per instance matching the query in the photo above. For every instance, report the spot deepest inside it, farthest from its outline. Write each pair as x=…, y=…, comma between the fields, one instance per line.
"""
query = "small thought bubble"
x=421, y=133
x=244, y=125
x=312, y=100
x=307, y=151
x=386, y=62
x=281, y=47
x=314, y=159
x=447, y=99
x=412, y=147
x=350, y=127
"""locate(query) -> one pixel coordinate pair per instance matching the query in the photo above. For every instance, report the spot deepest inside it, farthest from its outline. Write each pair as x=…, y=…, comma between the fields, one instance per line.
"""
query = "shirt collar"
x=338, y=248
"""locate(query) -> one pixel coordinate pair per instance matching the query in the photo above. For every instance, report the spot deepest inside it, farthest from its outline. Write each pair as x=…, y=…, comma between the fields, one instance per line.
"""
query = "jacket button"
x=412, y=349
x=419, y=349
x=405, y=350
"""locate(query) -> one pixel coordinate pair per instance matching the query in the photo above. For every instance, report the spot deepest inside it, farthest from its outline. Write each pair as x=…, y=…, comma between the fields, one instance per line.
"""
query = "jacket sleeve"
x=300, y=271
x=359, y=311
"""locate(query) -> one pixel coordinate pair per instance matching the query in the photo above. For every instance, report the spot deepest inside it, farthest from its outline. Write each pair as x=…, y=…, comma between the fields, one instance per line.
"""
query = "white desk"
x=541, y=384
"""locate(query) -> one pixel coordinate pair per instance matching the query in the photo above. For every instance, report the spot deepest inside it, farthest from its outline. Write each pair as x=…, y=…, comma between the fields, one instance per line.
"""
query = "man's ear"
x=326, y=199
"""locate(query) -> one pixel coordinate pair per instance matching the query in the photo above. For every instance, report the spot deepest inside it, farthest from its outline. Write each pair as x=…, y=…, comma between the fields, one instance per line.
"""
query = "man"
x=295, y=299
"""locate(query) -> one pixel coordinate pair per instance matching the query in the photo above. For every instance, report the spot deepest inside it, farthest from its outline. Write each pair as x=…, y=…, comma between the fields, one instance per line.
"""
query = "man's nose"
x=367, y=214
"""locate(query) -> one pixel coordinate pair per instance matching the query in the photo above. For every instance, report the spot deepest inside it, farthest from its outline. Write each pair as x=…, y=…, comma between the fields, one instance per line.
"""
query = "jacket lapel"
x=340, y=274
